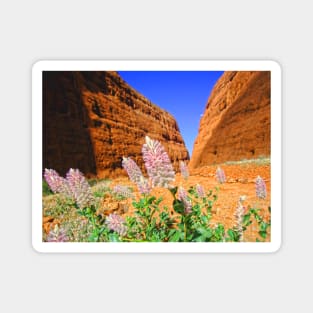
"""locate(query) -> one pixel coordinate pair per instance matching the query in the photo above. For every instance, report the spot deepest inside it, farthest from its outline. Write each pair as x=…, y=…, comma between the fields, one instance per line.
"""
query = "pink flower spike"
x=157, y=163
x=79, y=188
x=132, y=169
x=200, y=191
x=220, y=176
x=239, y=213
x=122, y=191
x=135, y=175
x=116, y=223
x=144, y=186
x=183, y=197
x=184, y=169
x=57, y=235
x=260, y=188
x=54, y=180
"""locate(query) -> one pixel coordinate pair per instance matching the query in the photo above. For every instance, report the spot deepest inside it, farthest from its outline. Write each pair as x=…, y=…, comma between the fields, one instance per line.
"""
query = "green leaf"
x=94, y=237
x=114, y=237
x=150, y=200
x=191, y=191
x=231, y=234
x=199, y=239
x=135, y=204
x=175, y=236
x=263, y=234
x=173, y=191
x=210, y=204
x=80, y=212
x=258, y=218
x=178, y=206
x=246, y=218
x=196, y=208
x=219, y=232
x=220, y=228
x=263, y=226
x=204, y=219
x=201, y=230
x=208, y=234
x=158, y=201
x=205, y=235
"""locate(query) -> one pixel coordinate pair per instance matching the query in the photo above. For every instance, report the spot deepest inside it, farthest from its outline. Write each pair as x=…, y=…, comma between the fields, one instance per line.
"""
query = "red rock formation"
x=236, y=121
x=93, y=119
x=66, y=138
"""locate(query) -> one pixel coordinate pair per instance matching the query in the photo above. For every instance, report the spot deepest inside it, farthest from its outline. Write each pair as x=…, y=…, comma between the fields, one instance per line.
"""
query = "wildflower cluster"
x=188, y=219
x=75, y=186
x=158, y=166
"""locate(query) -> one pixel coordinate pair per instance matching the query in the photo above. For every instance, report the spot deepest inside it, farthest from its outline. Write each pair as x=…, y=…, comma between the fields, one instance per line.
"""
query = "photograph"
x=156, y=156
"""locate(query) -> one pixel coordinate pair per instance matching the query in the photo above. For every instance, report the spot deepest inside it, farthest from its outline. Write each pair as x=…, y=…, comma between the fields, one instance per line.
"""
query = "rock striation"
x=92, y=119
x=236, y=123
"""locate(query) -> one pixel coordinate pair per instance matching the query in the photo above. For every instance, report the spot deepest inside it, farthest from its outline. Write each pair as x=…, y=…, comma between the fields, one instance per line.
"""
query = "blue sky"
x=184, y=94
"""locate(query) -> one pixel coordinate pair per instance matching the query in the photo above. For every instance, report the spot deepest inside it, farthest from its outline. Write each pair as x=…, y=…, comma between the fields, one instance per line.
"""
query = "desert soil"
x=240, y=181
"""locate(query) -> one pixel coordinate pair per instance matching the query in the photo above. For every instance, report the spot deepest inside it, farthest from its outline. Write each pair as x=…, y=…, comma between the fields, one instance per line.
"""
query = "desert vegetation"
x=156, y=208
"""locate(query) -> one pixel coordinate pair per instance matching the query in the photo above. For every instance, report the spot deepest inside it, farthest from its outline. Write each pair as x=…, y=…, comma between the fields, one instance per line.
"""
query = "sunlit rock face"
x=92, y=119
x=236, y=122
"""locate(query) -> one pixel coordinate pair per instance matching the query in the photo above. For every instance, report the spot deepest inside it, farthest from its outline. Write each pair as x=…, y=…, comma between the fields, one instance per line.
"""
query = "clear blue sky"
x=184, y=94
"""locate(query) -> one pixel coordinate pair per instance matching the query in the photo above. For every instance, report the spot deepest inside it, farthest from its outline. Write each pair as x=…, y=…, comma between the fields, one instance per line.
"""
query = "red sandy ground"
x=240, y=182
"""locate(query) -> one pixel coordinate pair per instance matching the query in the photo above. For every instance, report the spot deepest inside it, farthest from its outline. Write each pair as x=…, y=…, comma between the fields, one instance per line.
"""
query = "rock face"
x=236, y=122
x=92, y=119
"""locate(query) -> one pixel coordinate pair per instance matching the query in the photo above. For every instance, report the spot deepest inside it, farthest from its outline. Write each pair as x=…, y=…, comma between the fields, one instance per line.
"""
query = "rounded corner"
x=37, y=247
x=276, y=247
x=37, y=65
x=276, y=65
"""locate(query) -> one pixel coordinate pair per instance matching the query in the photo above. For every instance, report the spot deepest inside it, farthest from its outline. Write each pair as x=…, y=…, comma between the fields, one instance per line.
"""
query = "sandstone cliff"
x=92, y=119
x=236, y=122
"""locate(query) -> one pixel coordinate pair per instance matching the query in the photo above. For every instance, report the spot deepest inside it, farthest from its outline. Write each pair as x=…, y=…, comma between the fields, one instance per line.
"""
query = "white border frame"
x=168, y=65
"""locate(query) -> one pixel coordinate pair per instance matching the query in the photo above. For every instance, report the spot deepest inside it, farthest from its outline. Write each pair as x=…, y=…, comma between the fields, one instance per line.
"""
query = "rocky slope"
x=236, y=121
x=92, y=119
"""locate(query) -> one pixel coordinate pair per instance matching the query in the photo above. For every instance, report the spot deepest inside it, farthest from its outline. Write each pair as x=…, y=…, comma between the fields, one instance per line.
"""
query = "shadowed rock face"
x=236, y=122
x=92, y=119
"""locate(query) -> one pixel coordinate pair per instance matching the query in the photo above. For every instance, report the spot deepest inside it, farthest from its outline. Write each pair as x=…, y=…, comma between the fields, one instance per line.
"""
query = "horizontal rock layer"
x=92, y=119
x=236, y=122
